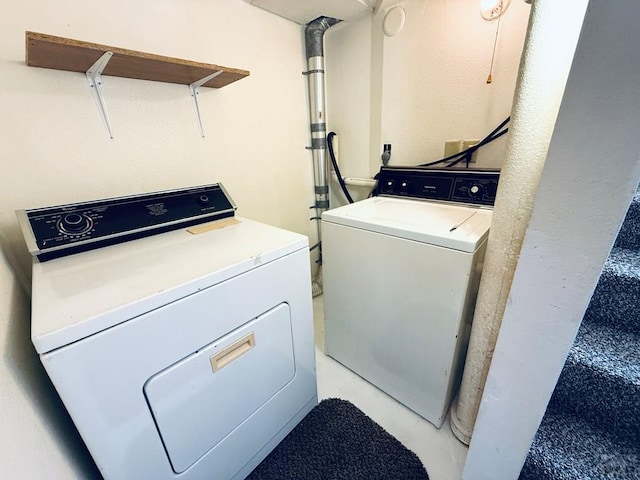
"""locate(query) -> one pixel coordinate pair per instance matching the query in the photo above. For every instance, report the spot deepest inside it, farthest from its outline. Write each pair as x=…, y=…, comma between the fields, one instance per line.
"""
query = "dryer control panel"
x=65, y=229
x=477, y=187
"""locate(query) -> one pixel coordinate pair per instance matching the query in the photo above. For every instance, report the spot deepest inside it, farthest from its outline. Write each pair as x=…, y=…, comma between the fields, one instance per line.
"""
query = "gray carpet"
x=591, y=429
x=336, y=441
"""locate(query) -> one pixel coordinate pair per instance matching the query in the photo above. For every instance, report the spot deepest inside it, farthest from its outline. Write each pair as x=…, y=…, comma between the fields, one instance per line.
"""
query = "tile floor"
x=441, y=453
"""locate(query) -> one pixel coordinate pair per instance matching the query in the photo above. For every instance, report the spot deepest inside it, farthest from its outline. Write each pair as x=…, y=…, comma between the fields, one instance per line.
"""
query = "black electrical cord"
x=466, y=154
x=332, y=155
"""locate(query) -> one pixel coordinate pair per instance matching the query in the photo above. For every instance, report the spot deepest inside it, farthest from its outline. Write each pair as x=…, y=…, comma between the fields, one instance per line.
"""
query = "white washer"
x=400, y=282
x=187, y=354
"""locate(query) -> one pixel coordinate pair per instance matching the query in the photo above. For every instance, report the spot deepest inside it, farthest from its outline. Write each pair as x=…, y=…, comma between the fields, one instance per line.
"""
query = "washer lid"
x=446, y=225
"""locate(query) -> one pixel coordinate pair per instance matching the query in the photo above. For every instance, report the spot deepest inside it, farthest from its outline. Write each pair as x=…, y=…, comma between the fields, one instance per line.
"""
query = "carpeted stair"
x=591, y=429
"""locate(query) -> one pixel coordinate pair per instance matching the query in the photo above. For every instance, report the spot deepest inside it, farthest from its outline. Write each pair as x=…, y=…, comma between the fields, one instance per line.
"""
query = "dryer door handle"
x=232, y=352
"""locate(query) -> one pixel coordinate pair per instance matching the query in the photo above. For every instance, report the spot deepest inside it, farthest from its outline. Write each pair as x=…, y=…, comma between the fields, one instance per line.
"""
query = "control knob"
x=475, y=190
x=75, y=223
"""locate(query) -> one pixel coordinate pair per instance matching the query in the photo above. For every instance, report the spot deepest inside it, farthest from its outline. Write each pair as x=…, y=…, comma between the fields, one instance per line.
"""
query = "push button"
x=204, y=200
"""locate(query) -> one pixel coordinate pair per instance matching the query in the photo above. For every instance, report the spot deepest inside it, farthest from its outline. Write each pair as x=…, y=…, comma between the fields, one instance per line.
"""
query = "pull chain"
x=495, y=42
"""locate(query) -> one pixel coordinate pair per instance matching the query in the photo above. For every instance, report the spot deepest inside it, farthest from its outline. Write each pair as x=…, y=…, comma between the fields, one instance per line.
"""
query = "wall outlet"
x=452, y=147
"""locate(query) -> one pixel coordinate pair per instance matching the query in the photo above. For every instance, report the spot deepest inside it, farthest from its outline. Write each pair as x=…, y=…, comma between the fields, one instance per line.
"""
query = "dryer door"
x=202, y=398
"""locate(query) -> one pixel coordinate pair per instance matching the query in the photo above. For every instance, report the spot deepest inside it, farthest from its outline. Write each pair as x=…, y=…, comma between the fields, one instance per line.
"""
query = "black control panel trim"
x=50, y=255
x=473, y=187
x=65, y=229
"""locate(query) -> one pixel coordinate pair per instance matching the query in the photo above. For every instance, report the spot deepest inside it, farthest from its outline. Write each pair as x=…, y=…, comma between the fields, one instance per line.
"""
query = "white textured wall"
x=591, y=172
x=54, y=149
x=423, y=86
x=351, y=100
x=434, y=80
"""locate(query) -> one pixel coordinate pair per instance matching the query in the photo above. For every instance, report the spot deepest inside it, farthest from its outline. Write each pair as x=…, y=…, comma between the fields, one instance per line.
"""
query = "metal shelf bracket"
x=94, y=77
x=194, y=89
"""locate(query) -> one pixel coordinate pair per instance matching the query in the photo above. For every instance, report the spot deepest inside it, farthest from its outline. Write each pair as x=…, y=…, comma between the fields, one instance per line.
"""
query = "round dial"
x=204, y=200
x=75, y=223
x=475, y=189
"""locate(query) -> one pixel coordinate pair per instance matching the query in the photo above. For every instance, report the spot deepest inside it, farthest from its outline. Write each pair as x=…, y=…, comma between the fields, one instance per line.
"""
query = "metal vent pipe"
x=314, y=37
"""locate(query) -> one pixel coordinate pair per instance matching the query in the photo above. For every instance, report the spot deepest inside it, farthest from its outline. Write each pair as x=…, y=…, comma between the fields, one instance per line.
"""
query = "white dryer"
x=401, y=272
x=186, y=354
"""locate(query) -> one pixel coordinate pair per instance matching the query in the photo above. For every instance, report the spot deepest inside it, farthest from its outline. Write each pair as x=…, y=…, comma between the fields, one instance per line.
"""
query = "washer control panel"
x=61, y=230
x=476, y=187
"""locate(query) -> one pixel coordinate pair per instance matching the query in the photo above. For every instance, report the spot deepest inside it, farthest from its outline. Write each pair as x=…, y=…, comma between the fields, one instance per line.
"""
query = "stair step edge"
x=608, y=349
x=567, y=448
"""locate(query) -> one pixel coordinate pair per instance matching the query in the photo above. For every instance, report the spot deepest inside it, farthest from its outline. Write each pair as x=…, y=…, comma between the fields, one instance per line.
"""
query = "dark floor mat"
x=336, y=441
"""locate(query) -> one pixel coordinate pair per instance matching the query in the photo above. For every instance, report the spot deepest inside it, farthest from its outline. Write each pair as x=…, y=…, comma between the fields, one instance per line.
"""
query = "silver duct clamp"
x=194, y=89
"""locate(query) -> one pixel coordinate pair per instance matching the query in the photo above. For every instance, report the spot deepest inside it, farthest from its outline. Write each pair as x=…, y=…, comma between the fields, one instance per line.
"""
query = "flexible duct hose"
x=314, y=36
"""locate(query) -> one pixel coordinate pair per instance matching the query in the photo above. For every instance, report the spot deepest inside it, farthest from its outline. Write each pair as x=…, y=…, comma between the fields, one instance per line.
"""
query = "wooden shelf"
x=61, y=53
